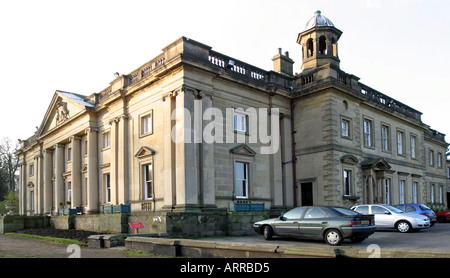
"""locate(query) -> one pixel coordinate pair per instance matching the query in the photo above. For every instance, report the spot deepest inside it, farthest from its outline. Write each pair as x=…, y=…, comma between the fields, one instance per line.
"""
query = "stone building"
x=193, y=130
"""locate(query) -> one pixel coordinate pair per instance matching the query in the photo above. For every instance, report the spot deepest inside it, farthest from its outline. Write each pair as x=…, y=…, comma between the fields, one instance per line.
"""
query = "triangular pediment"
x=144, y=151
x=63, y=107
x=376, y=164
x=243, y=149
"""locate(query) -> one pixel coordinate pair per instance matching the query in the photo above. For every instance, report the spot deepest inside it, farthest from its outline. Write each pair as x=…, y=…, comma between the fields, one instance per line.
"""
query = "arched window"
x=310, y=48
x=322, y=45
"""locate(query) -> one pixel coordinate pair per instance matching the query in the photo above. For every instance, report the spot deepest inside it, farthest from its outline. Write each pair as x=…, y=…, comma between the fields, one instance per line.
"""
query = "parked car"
x=420, y=209
x=332, y=224
x=387, y=217
x=443, y=216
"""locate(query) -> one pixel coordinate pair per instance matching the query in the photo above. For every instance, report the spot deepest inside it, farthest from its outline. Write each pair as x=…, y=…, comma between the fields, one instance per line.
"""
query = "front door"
x=307, y=193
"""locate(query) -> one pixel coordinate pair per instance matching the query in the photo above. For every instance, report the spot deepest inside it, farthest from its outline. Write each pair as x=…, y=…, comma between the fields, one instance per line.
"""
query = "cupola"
x=319, y=42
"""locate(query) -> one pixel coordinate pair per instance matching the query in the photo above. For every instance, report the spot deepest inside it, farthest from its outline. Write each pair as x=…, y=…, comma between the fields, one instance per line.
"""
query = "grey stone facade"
x=341, y=142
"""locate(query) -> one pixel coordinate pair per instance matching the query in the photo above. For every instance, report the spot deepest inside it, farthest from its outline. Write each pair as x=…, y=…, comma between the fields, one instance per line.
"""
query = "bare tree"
x=9, y=161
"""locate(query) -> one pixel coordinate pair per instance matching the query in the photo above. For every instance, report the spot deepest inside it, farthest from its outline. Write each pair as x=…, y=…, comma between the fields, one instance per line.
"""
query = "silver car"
x=387, y=217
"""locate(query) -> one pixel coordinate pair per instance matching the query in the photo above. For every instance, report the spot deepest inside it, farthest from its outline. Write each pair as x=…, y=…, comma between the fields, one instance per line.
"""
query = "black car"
x=333, y=224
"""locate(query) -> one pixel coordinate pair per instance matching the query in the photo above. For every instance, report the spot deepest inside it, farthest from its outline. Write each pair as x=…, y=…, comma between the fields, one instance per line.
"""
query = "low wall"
x=102, y=223
x=184, y=224
x=13, y=223
x=198, y=224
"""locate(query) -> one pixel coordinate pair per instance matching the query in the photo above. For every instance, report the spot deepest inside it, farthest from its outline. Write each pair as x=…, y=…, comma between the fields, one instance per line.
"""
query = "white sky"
x=398, y=47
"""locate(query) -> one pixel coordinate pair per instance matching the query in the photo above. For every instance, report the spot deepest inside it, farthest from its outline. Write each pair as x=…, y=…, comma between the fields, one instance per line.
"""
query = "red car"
x=443, y=217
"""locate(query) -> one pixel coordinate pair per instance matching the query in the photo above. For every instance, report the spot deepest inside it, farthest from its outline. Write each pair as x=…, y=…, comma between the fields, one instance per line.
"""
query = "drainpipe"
x=294, y=158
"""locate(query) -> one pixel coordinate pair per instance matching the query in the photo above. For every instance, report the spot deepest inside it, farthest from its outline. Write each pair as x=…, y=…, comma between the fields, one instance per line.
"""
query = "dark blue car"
x=420, y=209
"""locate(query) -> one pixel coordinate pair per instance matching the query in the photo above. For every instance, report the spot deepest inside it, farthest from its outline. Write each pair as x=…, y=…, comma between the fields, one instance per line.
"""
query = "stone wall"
x=184, y=224
x=12, y=223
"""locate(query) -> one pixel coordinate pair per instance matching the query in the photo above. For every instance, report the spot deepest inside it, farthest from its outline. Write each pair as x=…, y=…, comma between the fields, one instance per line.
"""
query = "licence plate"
x=365, y=221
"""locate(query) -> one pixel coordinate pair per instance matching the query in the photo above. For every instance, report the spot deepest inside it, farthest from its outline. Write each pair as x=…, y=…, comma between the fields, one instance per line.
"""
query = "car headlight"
x=418, y=219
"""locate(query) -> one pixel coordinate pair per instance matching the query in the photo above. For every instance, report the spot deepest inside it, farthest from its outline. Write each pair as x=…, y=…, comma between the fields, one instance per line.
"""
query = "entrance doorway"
x=307, y=193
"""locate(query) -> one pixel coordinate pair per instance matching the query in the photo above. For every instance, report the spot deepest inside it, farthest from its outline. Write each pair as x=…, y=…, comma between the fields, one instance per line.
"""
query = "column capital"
x=59, y=145
x=90, y=129
x=117, y=119
x=74, y=137
x=37, y=156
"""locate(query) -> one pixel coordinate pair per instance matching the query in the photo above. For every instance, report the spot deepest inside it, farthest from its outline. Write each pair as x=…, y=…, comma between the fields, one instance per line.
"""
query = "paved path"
x=18, y=247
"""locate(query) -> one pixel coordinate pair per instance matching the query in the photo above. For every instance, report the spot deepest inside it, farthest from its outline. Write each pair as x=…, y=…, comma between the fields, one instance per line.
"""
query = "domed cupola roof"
x=318, y=20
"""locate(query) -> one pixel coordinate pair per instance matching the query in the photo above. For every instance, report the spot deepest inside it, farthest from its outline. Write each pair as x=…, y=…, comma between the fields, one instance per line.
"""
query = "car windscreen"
x=345, y=211
x=424, y=207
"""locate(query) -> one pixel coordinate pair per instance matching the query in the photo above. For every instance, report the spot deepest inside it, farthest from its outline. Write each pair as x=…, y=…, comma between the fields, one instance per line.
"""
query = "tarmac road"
x=434, y=239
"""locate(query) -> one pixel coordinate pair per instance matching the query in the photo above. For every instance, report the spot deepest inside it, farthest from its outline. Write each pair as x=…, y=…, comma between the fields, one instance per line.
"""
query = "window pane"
x=107, y=188
x=345, y=125
x=384, y=138
x=362, y=209
x=294, y=213
x=413, y=147
x=378, y=210
x=409, y=208
x=146, y=123
x=315, y=213
x=399, y=142
x=402, y=191
x=241, y=179
x=367, y=133
x=347, y=182
x=240, y=122
x=148, y=190
x=239, y=170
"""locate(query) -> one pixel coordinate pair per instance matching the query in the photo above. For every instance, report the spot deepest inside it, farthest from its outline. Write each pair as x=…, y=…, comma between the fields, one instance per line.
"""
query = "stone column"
x=168, y=153
x=114, y=161
x=370, y=190
x=122, y=161
x=59, y=179
x=206, y=160
x=92, y=171
x=187, y=193
x=48, y=181
x=23, y=188
x=76, y=171
x=275, y=157
x=286, y=147
x=38, y=194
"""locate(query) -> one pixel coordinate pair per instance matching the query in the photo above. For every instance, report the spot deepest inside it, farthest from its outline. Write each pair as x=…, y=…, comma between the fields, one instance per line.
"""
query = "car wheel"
x=333, y=237
x=403, y=227
x=268, y=232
